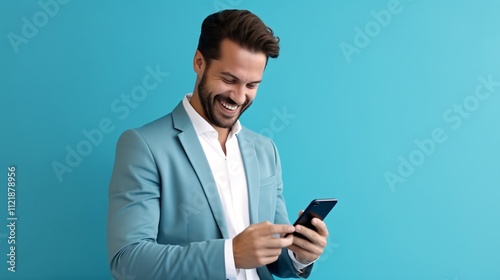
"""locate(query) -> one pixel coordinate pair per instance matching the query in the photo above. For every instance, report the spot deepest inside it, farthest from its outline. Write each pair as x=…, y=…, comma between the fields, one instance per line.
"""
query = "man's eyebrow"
x=238, y=79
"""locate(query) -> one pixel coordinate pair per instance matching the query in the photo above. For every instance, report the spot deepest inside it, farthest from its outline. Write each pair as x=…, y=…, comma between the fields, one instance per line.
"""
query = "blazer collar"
x=194, y=151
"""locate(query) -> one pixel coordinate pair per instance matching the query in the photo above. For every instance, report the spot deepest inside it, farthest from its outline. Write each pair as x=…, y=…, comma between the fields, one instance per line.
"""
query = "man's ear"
x=199, y=63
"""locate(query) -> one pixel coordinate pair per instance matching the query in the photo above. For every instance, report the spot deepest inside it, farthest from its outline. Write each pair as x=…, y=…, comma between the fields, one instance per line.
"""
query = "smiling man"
x=194, y=195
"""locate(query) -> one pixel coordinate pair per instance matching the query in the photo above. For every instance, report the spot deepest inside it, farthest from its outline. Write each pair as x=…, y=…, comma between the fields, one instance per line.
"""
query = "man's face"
x=229, y=85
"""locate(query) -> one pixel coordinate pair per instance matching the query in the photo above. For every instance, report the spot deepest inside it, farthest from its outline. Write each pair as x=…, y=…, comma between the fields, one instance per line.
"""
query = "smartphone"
x=318, y=208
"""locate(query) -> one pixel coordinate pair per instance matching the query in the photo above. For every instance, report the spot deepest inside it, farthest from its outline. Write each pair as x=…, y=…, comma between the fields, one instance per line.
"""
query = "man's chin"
x=224, y=121
x=227, y=123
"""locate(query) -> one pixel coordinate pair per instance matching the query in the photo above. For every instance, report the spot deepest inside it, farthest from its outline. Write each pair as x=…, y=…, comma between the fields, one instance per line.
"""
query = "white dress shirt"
x=229, y=174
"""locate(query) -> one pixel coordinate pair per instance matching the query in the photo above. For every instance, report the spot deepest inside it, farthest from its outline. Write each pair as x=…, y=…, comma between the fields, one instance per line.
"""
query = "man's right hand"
x=260, y=244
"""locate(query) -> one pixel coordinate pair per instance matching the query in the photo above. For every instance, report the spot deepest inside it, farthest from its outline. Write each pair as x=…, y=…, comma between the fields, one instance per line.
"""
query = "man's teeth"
x=229, y=107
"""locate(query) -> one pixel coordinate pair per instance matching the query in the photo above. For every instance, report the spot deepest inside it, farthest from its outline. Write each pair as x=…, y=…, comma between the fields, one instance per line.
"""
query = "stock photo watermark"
x=330, y=249
x=363, y=35
x=280, y=120
x=454, y=118
x=30, y=27
x=11, y=218
x=121, y=107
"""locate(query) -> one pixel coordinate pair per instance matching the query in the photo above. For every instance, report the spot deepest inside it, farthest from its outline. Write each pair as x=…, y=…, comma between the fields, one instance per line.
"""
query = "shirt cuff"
x=231, y=271
x=298, y=265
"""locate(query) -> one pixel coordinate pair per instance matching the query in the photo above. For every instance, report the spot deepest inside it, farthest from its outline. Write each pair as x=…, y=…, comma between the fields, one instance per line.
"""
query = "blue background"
x=352, y=119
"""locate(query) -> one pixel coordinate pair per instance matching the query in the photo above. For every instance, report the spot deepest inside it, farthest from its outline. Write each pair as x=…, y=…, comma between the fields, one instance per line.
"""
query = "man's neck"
x=222, y=134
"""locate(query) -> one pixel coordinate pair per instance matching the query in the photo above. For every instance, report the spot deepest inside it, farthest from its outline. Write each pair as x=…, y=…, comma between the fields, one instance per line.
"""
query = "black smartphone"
x=318, y=208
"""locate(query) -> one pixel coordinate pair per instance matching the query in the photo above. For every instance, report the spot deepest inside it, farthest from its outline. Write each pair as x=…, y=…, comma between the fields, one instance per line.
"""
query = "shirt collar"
x=201, y=126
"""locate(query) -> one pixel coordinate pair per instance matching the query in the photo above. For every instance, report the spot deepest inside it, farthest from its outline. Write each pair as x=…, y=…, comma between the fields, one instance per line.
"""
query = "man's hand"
x=309, y=250
x=260, y=244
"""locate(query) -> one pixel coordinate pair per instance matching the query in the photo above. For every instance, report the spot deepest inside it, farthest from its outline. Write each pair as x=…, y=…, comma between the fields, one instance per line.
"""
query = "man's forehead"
x=239, y=62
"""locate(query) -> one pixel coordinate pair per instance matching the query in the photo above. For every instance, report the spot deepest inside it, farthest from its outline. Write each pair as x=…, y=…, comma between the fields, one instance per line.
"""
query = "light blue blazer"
x=165, y=218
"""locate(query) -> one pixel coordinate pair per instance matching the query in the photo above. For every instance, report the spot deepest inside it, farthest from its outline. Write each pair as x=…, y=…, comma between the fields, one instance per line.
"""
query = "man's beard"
x=208, y=99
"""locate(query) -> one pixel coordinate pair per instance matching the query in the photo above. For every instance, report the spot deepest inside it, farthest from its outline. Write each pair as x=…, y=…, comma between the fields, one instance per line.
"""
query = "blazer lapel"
x=247, y=149
x=194, y=151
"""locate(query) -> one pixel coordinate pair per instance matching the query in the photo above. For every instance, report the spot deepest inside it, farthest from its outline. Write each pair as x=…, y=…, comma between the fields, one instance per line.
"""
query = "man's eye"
x=228, y=81
x=251, y=86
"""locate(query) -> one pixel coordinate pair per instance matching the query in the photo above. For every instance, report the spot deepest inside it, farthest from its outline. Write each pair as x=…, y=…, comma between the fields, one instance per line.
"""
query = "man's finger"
x=279, y=242
x=320, y=226
x=271, y=252
x=311, y=235
x=308, y=245
x=266, y=228
x=279, y=229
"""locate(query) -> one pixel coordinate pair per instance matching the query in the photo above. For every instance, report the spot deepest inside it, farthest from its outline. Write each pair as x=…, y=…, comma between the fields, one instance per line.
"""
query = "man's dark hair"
x=239, y=26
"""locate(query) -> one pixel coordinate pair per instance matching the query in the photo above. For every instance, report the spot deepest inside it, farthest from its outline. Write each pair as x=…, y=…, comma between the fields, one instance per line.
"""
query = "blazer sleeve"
x=284, y=267
x=133, y=218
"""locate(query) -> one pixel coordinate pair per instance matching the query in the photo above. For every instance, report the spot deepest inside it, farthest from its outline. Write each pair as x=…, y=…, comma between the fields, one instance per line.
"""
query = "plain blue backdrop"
x=390, y=106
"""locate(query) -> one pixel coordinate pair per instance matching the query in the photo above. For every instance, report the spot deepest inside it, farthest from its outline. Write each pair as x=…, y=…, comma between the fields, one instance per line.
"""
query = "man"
x=193, y=194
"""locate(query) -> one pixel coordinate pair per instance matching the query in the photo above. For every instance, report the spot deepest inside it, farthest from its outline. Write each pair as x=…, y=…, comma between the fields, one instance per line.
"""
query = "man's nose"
x=238, y=95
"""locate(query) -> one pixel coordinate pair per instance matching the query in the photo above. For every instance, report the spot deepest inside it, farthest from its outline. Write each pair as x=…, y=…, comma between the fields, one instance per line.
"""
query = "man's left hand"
x=309, y=249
